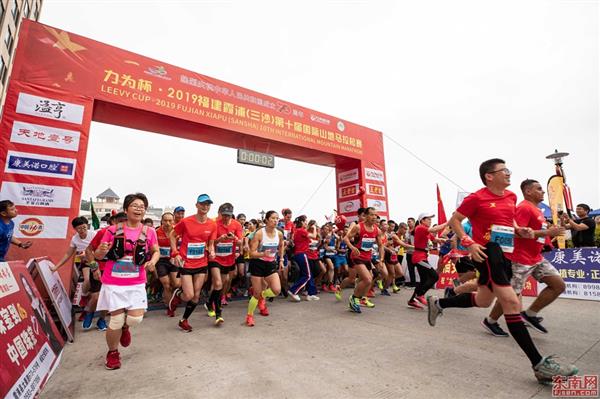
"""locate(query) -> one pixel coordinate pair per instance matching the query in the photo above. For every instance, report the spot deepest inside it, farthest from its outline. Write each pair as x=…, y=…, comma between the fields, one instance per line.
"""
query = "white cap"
x=425, y=215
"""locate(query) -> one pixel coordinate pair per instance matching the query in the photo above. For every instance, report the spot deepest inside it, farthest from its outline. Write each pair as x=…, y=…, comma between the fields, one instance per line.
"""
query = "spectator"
x=583, y=228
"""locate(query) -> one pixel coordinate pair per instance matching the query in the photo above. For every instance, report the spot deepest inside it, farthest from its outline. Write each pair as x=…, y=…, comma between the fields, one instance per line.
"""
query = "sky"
x=452, y=82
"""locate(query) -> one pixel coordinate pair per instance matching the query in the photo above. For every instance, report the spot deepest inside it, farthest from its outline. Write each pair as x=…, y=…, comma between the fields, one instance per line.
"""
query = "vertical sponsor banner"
x=349, y=189
x=30, y=343
x=42, y=163
x=376, y=191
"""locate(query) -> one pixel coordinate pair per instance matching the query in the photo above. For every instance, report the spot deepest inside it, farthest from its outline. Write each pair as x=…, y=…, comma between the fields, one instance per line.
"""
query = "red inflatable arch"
x=62, y=81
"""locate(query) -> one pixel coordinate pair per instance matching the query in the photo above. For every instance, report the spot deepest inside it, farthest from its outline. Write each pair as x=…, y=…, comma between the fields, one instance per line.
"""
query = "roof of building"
x=108, y=193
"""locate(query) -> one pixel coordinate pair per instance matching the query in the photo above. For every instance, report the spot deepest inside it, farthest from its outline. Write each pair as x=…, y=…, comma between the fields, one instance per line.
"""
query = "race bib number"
x=269, y=250
x=125, y=268
x=367, y=244
x=195, y=250
x=542, y=239
x=165, y=252
x=314, y=245
x=505, y=237
x=224, y=249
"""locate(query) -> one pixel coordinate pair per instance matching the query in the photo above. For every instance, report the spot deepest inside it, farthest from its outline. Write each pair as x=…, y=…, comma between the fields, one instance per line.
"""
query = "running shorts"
x=260, y=268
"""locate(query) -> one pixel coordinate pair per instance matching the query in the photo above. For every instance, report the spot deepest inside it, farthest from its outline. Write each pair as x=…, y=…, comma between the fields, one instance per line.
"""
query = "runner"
x=303, y=241
x=288, y=230
x=198, y=234
x=330, y=243
x=367, y=234
x=239, y=260
x=167, y=272
x=491, y=211
x=178, y=214
x=428, y=276
x=380, y=270
x=265, y=245
x=76, y=251
x=527, y=260
x=340, y=260
x=229, y=239
x=8, y=211
x=410, y=239
x=392, y=262
x=350, y=279
x=128, y=247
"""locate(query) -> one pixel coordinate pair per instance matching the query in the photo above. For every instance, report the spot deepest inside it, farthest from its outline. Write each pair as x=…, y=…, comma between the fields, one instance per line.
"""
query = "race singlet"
x=125, y=268
x=195, y=250
x=504, y=236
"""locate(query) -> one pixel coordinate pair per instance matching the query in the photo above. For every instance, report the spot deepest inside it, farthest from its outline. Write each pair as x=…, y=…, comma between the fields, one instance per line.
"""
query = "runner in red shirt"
x=491, y=211
x=198, y=234
x=229, y=240
x=367, y=234
x=303, y=239
x=528, y=261
x=427, y=273
x=167, y=272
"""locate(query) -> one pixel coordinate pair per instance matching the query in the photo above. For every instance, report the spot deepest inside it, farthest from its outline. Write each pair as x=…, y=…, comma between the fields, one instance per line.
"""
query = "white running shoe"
x=294, y=297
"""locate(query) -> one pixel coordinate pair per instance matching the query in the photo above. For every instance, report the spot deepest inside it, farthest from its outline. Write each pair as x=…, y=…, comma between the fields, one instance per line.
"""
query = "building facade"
x=12, y=13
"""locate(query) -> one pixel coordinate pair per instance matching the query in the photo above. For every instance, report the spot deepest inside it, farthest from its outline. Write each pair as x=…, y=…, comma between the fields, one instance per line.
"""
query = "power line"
x=316, y=190
x=424, y=162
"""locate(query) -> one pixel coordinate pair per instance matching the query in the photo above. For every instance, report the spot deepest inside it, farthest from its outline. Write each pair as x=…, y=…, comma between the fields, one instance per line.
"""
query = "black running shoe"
x=494, y=329
x=534, y=322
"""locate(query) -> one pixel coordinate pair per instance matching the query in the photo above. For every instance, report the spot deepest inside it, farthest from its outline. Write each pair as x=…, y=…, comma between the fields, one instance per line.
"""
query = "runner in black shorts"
x=229, y=238
x=351, y=277
x=491, y=211
x=167, y=272
x=264, y=247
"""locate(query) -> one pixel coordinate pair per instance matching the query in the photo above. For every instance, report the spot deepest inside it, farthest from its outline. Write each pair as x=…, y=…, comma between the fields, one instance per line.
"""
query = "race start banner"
x=30, y=343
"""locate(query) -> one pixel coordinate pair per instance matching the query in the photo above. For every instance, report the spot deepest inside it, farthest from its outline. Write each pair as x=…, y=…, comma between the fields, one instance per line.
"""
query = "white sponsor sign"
x=374, y=174
x=348, y=191
x=50, y=108
x=37, y=195
x=56, y=291
x=379, y=205
x=348, y=176
x=36, y=226
x=7, y=280
x=25, y=163
x=375, y=189
x=30, y=382
x=44, y=136
x=349, y=206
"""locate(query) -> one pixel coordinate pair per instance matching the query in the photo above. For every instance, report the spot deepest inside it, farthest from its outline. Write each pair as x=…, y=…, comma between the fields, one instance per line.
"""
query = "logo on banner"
x=375, y=189
x=31, y=227
x=159, y=71
x=349, y=206
x=374, y=174
x=316, y=118
x=348, y=191
x=348, y=176
x=50, y=108
x=37, y=195
x=44, y=136
x=341, y=127
x=379, y=205
x=40, y=165
x=36, y=226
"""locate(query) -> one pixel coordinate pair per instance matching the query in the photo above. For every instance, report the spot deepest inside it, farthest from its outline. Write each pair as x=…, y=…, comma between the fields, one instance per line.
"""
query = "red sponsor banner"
x=30, y=343
x=348, y=191
x=376, y=189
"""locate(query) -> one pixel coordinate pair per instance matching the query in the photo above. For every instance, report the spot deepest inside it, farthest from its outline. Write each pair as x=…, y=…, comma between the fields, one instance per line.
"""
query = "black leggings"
x=427, y=276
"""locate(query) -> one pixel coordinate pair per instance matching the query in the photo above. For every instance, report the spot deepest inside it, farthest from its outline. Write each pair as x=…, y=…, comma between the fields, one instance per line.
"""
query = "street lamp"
x=262, y=215
x=558, y=193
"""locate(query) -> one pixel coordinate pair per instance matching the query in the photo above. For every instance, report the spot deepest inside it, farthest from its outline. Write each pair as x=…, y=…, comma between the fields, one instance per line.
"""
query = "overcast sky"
x=455, y=82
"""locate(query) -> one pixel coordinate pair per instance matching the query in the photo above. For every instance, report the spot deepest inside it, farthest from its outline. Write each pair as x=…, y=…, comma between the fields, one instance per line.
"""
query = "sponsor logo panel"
x=44, y=136
x=25, y=163
x=374, y=174
x=348, y=176
x=38, y=226
x=50, y=108
x=37, y=195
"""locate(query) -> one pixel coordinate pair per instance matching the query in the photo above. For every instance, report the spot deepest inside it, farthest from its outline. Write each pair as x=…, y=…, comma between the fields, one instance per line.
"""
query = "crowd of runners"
x=494, y=244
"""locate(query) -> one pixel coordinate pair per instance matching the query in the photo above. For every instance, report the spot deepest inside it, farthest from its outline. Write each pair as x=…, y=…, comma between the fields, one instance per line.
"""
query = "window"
x=26, y=9
x=9, y=39
x=3, y=70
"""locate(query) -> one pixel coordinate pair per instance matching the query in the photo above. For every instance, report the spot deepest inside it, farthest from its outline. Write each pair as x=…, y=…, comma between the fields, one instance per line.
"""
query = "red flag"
x=440, y=212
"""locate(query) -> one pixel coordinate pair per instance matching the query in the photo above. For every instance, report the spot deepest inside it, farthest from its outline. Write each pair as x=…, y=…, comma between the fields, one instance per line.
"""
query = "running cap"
x=226, y=209
x=204, y=198
x=425, y=215
x=179, y=209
